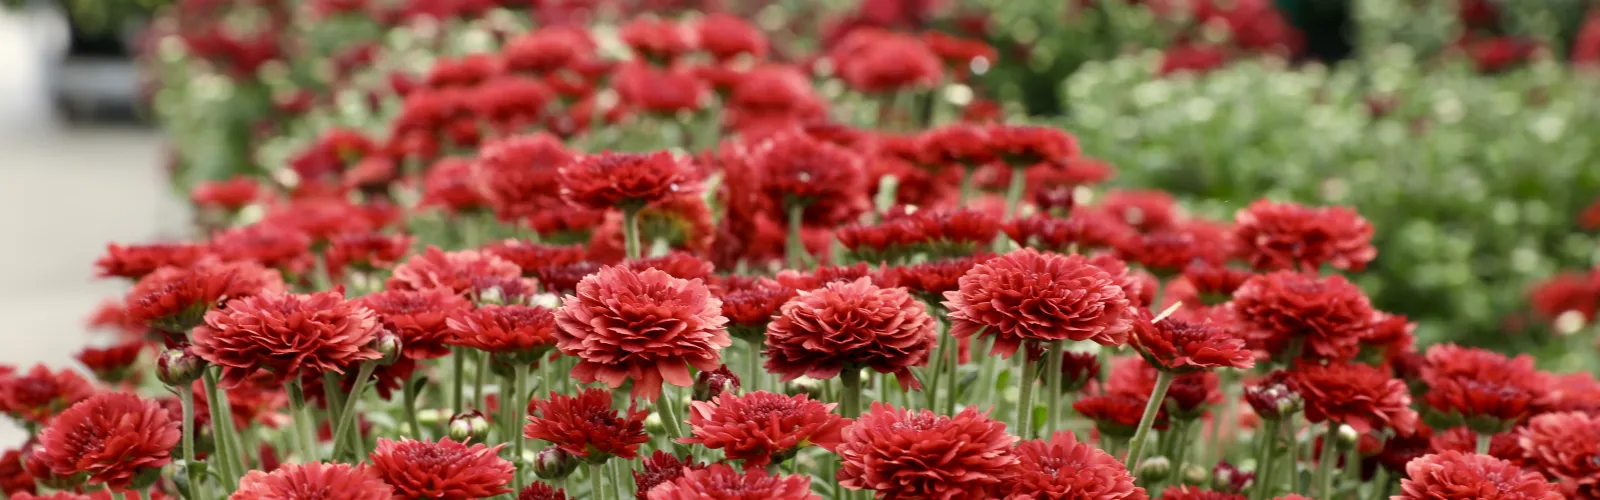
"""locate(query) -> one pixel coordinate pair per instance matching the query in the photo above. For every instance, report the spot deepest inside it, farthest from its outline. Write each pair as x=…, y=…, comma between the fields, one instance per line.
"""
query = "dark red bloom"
x=313, y=480
x=449, y=184
x=750, y=309
x=14, y=478
x=827, y=180
x=622, y=180
x=520, y=332
x=1357, y=395
x=1590, y=217
x=1065, y=468
x=824, y=275
x=111, y=364
x=1084, y=230
x=287, y=335
x=365, y=252
x=877, y=61
x=1187, y=492
x=418, y=316
x=319, y=218
x=726, y=36
x=1275, y=235
x=1179, y=346
x=761, y=428
x=1023, y=146
x=534, y=256
x=1454, y=475
x=1192, y=57
x=660, y=91
x=453, y=271
x=918, y=454
x=932, y=279
x=1327, y=316
x=1399, y=450
x=720, y=482
x=1487, y=405
x=587, y=426
x=541, y=491
x=1117, y=414
x=442, y=469
x=512, y=103
x=278, y=247
x=1031, y=296
x=467, y=71
x=1502, y=445
x=1563, y=446
x=1498, y=53
x=677, y=264
x=850, y=325
x=1275, y=396
x=1568, y=292
x=645, y=326
x=1186, y=398
x=564, y=278
x=547, y=50
x=659, y=468
x=111, y=438
x=229, y=195
x=136, y=261
x=518, y=174
x=1176, y=247
x=658, y=40
x=38, y=395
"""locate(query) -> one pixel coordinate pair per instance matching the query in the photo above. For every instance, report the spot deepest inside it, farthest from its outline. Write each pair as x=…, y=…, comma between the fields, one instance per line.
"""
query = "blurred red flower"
x=658, y=40
x=111, y=364
x=827, y=180
x=520, y=333
x=880, y=61
x=287, y=335
x=279, y=247
x=1453, y=474
x=136, y=261
x=1179, y=346
x=900, y=453
x=39, y=394
x=1357, y=395
x=587, y=426
x=364, y=252
x=1031, y=296
x=1275, y=235
x=847, y=326
x=518, y=174
x=622, y=180
x=450, y=185
x=1562, y=446
x=1187, y=492
x=726, y=36
x=1325, y=316
x=175, y=299
x=418, y=316
x=441, y=469
x=111, y=438
x=313, y=480
x=229, y=195
x=453, y=271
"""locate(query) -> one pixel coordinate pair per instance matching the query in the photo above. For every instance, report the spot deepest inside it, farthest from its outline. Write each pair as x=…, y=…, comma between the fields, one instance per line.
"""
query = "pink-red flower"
x=587, y=426
x=452, y=271
x=442, y=469
x=313, y=480
x=1276, y=235
x=1026, y=145
x=111, y=364
x=519, y=332
x=1064, y=468
x=918, y=454
x=876, y=61
x=38, y=395
x=228, y=195
x=1117, y=414
x=287, y=335
x=111, y=437
x=518, y=174
x=622, y=180
x=1031, y=296
x=175, y=299
x=847, y=326
x=659, y=468
x=1562, y=446
x=726, y=36
x=645, y=326
x=364, y=252
x=659, y=40
x=720, y=482
x=1326, y=316
x=1178, y=346
x=418, y=316
x=1357, y=395
x=135, y=261
x=1454, y=475
x=829, y=182
x=761, y=428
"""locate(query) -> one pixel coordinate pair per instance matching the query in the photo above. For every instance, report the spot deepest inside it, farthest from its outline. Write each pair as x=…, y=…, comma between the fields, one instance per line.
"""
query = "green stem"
x=597, y=485
x=986, y=370
x=348, y=415
x=335, y=399
x=1292, y=435
x=186, y=398
x=666, y=405
x=220, y=429
x=752, y=364
x=1352, y=466
x=1179, y=453
x=621, y=477
x=1264, y=459
x=410, y=395
x=117, y=495
x=794, y=246
x=1483, y=443
x=850, y=392
x=144, y=494
x=1052, y=375
x=236, y=449
x=951, y=366
x=1380, y=484
x=1026, y=379
x=1019, y=181
x=518, y=395
x=930, y=393
x=968, y=187
x=1325, y=464
x=1153, y=407
x=630, y=232
x=480, y=398
x=302, y=422
x=459, y=361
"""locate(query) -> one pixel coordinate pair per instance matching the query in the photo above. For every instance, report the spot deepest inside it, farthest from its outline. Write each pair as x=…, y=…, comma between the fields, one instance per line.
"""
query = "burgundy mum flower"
x=541, y=491
x=828, y=181
x=1357, y=395
x=135, y=261
x=660, y=40
x=1567, y=292
x=1454, y=475
x=750, y=309
x=875, y=61
x=848, y=326
x=1028, y=145
x=1194, y=493
x=418, y=316
x=932, y=279
x=1503, y=445
x=313, y=480
x=1086, y=230
x=110, y=437
x=365, y=252
x=645, y=326
x=287, y=335
x=917, y=454
x=275, y=246
x=659, y=468
x=453, y=271
x=449, y=185
x=1277, y=235
x=565, y=278
x=1030, y=296
x=1449, y=361
x=726, y=36
x=1170, y=250
x=1063, y=468
x=111, y=364
x=547, y=50
x=677, y=264
x=587, y=426
x=175, y=299
x=1486, y=405
x=720, y=482
x=621, y=180
x=1326, y=315
x=522, y=333
x=38, y=395
x=1117, y=414
x=1563, y=446
x=1275, y=396
x=760, y=428
x=518, y=175
x=1179, y=346
x=660, y=91
x=1186, y=398
x=534, y=256
x=13, y=477
x=959, y=144
x=442, y=469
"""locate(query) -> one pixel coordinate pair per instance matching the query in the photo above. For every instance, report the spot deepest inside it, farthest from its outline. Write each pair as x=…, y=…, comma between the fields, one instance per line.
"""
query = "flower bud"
x=811, y=387
x=1348, y=436
x=554, y=463
x=492, y=296
x=1226, y=477
x=1154, y=469
x=653, y=423
x=1194, y=474
x=388, y=344
x=708, y=385
x=471, y=426
x=1275, y=397
x=176, y=367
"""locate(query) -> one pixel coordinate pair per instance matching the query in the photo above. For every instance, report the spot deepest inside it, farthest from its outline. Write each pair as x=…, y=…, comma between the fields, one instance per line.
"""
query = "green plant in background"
x=1473, y=183
x=1432, y=26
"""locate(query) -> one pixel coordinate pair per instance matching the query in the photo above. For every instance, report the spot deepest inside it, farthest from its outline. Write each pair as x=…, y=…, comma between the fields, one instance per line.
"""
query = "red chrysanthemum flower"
x=960, y=145
x=1031, y=296
x=1276, y=235
x=822, y=276
x=518, y=175
x=645, y=326
x=313, y=480
x=1026, y=145
x=287, y=335
x=659, y=468
x=878, y=61
x=659, y=40
x=750, y=309
x=1486, y=405
x=660, y=91
x=1502, y=445
x=1139, y=285
x=760, y=428
x=110, y=437
x=14, y=478
x=622, y=180
x=721, y=482
x=1275, y=396
x=932, y=279
x=279, y=247
x=849, y=325
x=1187, y=492
x=364, y=252
x=677, y=264
x=565, y=278
x=176, y=299
x=449, y=185
x=1361, y=396
x=442, y=469
x=111, y=364
x=827, y=180
x=1563, y=446
x=1117, y=414
x=534, y=256
x=726, y=36
x=587, y=426
x=918, y=454
x=38, y=395
x=1065, y=468
x=519, y=332
x=419, y=317
x=229, y=195
x=1449, y=361
x=135, y=261
x=319, y=218
x=1084, y=229
x=1170, y=250
x=1453, y=475
x=1180, y=346
x=547, y=50
x=1590, y=218
x=512, y=103
x=1399, y=450
x=1327, y=316
x=1186, y=398
x=452, y=271
x=541, y=491
x=1216, y=281
x=1567, y=292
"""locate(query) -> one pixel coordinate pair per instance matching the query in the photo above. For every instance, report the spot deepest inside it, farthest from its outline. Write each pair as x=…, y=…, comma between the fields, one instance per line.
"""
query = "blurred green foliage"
x=1473, y=183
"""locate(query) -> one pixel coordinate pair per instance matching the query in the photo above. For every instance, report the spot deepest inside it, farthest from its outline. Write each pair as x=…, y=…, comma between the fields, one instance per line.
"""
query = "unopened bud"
x=709, y=385
x=1194, y=474
x=1226, y=477
x=1348, y=436
x=653, y=423
x=811, y=387
x=1154, y=469
x=554, y=463
x=492, y=296
x=176, y=367
x=388, y=344
x=471, y=426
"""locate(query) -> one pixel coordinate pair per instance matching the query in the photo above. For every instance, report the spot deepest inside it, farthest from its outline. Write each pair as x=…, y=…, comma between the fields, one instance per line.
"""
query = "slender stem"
x=1179, y=453
x=1264, y=459
x=458, y=399
x=1052, y=375
x=302, y=422
x=144, y=494
x=930, y=394
x=348, y=415
x=630, y=232
x=850, y=393
x=117, y=495
x=795, y=247
x=951, y=366
x=666, y=405
x=1352, y=466
x=1292, y=436
x=236, y=449
x=1483, y=443
x=1325, y=464
x=220, y=429
x=518, y=384
x=1153, y=407
x=334, y=393
x=1380, y=484
x=1026, y=378
x=986, y=369
x=621, y=477
x=597, y=485
x=480, y=398
x=410, y=395
x=186, y=398
x=752, y=364
x=968, y=187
